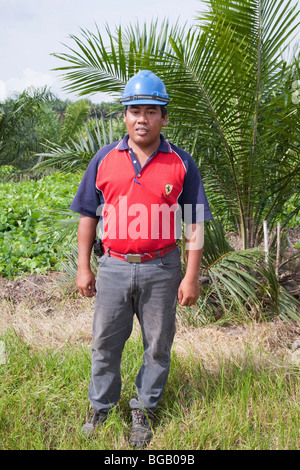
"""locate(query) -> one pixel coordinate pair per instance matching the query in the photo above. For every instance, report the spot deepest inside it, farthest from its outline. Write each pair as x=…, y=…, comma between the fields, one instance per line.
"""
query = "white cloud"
x=29, y=78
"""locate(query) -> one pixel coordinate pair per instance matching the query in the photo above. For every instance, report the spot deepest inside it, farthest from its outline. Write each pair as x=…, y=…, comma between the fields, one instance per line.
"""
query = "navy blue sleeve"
x=193, y=200
x=87, y=198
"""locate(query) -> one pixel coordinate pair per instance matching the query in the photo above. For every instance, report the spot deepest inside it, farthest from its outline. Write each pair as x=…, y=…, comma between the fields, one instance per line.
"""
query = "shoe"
x=141, y=432
x=96, y=418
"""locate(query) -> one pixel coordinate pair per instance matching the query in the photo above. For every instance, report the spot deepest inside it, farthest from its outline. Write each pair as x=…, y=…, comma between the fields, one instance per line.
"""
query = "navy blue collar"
x=163, y=147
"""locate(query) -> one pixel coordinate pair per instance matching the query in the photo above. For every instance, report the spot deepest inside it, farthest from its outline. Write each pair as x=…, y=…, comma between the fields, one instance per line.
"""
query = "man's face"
x=144, y=124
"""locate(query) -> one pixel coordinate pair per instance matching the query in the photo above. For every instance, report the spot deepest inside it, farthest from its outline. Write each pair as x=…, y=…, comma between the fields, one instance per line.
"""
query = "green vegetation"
x=28, y=212
x=244, y=405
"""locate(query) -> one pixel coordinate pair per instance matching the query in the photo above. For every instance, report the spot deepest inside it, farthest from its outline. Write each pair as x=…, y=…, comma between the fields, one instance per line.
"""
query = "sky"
x=32, y=30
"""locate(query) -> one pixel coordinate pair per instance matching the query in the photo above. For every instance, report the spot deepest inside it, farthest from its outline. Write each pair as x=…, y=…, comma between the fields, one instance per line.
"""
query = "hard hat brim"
x=141, y=102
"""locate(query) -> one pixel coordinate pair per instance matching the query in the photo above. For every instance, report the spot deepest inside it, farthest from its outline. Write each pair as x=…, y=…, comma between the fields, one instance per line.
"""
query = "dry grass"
x=38, y=311
x=270, y=343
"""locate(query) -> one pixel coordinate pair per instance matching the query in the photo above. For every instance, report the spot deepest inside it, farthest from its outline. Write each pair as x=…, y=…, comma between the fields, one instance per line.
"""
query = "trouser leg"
x=112, y=326
x=156, y=309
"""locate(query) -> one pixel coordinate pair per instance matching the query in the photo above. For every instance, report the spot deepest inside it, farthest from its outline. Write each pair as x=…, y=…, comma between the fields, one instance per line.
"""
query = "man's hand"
x=85, y=279
x=188, y=292
x=85, y=282
x=189, y=289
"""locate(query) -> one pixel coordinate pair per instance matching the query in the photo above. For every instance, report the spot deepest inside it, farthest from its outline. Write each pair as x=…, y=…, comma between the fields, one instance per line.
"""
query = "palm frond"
x=95, y=66
x=78, y=152
x=241, y=281
x=75, y=117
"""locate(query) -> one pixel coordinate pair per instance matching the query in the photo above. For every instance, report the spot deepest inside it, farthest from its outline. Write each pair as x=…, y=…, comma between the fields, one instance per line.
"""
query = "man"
x=137, y=188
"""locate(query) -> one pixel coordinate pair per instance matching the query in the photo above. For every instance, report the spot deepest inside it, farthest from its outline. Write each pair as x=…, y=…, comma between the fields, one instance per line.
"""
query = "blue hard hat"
x=145, y=88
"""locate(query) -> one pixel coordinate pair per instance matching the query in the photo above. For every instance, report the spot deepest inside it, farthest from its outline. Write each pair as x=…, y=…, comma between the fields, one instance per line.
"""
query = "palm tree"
x=24, y=122
x=231, y=102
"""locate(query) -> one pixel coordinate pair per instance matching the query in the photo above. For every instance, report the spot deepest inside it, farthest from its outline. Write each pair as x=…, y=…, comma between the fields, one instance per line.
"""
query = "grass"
x=243, y=403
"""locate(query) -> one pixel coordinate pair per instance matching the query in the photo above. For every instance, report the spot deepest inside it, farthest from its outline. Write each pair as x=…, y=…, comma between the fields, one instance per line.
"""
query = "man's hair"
x=163, y=111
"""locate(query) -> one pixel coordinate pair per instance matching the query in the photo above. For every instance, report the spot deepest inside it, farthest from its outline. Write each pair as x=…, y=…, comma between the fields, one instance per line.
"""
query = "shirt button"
x=139, y=175
x=134, y=161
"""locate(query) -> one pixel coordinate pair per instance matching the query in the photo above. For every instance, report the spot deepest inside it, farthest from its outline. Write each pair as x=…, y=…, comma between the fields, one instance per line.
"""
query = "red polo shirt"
x=140, y=209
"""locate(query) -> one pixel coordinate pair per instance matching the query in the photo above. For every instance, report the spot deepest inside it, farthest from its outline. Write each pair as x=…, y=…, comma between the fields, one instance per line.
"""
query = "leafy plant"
x=29, y=211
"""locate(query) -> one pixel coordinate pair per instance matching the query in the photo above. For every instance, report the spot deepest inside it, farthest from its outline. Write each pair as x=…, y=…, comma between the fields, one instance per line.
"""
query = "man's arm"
x=85, y=279
x=189, y=290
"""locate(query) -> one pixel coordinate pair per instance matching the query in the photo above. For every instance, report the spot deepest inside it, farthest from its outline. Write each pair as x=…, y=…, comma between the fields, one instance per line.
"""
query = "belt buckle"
x=133, y=258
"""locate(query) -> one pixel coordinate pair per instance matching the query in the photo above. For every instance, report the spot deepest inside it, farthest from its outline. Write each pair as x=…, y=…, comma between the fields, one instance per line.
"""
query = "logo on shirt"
x=168, y=188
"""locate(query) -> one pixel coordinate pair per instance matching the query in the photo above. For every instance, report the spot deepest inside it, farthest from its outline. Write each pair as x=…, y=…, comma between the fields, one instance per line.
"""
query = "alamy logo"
x=161, y=221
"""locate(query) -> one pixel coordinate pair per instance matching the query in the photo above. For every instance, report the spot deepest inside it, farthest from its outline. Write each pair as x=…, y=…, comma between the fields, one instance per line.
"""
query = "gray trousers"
x=149, y=290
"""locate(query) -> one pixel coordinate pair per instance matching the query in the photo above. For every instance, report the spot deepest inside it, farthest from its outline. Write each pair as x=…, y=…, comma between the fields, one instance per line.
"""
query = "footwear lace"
x=141, y=418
